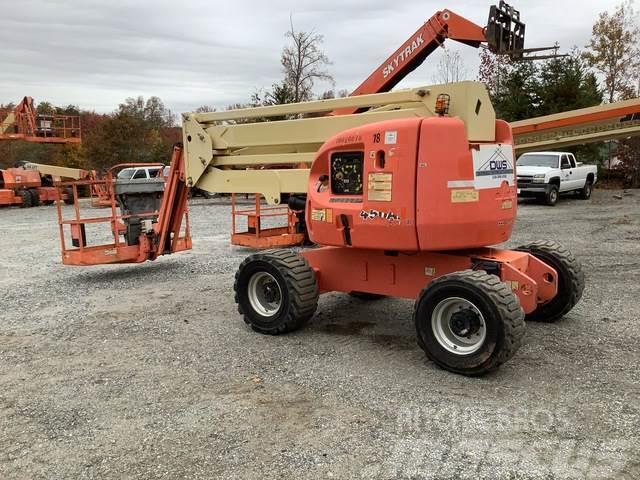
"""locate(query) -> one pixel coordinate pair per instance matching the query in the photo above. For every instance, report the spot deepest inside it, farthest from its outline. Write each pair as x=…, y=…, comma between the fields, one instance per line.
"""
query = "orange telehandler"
x=404, y=198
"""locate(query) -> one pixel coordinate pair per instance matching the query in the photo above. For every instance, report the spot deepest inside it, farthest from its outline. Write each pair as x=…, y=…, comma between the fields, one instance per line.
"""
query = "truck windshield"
x=550, y=161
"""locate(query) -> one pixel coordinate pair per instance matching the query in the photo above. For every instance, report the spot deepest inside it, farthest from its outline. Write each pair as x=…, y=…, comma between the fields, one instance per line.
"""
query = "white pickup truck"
x=548, y=174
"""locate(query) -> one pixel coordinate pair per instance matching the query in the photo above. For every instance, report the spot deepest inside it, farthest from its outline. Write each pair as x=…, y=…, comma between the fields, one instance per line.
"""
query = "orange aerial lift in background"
x=32, y=184
x=24, y=123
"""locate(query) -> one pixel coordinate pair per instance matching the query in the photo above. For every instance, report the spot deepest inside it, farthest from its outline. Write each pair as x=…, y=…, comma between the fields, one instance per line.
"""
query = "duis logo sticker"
x=493, y=165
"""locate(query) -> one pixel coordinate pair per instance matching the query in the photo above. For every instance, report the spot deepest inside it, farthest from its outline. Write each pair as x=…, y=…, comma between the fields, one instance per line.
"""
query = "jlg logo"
x=402, y=57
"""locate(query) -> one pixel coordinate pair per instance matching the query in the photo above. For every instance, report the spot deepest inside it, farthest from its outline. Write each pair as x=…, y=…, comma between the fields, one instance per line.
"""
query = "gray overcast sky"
x=96, y=53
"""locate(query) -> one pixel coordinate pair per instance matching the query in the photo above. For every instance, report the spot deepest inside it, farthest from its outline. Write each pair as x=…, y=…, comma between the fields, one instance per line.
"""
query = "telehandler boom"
x=504, y=34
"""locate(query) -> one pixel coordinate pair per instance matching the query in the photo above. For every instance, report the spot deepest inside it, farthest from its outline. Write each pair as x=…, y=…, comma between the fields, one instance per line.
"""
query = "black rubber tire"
x=35, y=197
x=69, y=199
x=552, y=196
x=585, y=193
x=366, y=296
x=298, y=285
x=27, y=199
x=570, y=280
x=503, y=315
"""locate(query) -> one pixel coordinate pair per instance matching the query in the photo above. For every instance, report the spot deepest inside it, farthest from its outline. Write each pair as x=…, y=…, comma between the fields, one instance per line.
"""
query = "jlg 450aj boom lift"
x=407, y=206
x=405, y=199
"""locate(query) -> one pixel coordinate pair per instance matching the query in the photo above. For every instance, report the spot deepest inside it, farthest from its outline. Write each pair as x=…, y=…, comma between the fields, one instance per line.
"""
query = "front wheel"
x=276, y=291
x=570, y=280
x=469, y=322
x=27, y=199
x=35, y=197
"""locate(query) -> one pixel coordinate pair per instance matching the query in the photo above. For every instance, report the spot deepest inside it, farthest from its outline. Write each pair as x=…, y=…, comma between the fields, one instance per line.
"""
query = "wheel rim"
x=458, y=326
x=587, y=191
x=553, y=196
x=265, y=295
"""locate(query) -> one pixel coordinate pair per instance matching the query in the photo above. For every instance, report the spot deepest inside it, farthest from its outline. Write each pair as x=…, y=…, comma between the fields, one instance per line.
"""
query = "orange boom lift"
x=405, y=199
x=33, y=185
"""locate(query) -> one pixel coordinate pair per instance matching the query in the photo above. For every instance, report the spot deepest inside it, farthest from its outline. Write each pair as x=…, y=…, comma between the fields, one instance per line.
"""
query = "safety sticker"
x=430, y=271
x=493, y=165
x=465, y=196
x=322, y=215
x=379, y=187
x=391, y=137
x=507, y=204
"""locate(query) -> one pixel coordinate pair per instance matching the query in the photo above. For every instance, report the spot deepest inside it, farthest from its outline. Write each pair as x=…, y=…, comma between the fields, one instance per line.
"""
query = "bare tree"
x=614, y=52
x=304, y=63
x=330, y=94
x=205, y=109
x=451, y=68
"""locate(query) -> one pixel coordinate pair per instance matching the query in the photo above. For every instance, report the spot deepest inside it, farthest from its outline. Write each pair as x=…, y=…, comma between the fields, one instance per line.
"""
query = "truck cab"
x=546, y=175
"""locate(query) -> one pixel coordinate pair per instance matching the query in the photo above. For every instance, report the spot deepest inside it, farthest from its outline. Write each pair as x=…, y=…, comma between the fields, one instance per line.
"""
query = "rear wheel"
x=35, y=197
x=469, y=322
x=570, y=280
x=276, y=291
x=552, y=196
x=27, y=199
x=585, y=193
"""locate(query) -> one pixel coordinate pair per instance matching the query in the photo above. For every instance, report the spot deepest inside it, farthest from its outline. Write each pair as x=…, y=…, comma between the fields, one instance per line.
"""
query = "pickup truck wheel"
x=469, y=322
x=570, y=280
x=552, y=196
x=585, y=193
x=276, y=291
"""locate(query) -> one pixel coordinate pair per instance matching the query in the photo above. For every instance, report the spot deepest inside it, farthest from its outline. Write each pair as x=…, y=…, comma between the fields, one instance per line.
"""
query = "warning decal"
x=380, y=186
x=322, y=215
x=465, y=196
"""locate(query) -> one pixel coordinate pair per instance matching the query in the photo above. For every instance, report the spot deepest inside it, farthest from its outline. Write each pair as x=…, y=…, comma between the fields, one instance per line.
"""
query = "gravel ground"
x=147, y=371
